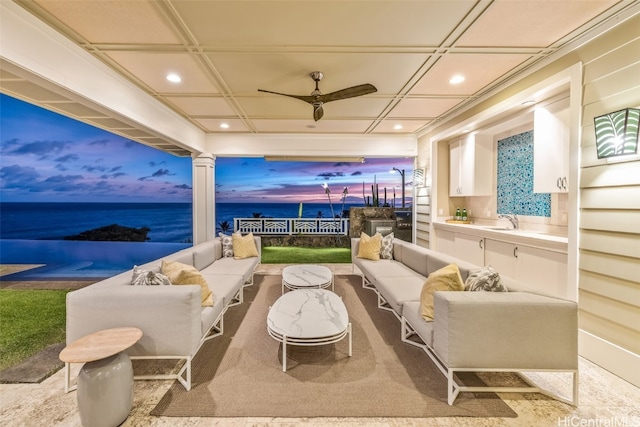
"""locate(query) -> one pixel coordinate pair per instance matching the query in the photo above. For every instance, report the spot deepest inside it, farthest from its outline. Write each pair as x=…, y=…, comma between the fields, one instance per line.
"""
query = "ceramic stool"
x=105, y=391
x=105, y=381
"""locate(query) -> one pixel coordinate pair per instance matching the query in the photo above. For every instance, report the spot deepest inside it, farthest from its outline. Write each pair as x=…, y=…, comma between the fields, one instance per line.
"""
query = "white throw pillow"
x=143, y=277
x=484, y=279
x=227, y=244
x=386, y=248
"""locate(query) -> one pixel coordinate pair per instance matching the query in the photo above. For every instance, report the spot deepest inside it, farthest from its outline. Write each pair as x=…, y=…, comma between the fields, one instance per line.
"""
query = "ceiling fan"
x=317, y=99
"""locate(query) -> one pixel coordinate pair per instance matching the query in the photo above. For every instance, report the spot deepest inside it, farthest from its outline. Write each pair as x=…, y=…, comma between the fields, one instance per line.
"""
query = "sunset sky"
x=46, y=157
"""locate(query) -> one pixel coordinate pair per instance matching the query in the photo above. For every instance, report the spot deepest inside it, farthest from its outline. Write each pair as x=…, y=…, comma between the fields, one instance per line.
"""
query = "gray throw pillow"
x=484, y=279
x=386, y=248
x=148, y=278
x=227, y=245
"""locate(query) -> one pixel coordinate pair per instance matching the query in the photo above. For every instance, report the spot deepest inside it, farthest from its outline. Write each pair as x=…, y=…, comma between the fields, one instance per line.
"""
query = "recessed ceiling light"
x=457, y=79
x=174, y=78
x=224, y=125
x=398, y=127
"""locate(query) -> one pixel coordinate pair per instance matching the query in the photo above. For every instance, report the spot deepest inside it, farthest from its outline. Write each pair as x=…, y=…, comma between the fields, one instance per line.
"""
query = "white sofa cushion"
x=210, y=314
x=424, y=329
x=205, y=254
x=398, y=290
x=224, y=286
x=231, y=266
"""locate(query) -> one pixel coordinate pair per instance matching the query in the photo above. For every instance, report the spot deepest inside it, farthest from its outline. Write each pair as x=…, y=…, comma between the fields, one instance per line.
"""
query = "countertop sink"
x=496, y=227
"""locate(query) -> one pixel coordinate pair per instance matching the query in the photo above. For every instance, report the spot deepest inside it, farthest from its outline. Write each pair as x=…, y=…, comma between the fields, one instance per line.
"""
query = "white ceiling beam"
x=49, y=57
x=310, y=146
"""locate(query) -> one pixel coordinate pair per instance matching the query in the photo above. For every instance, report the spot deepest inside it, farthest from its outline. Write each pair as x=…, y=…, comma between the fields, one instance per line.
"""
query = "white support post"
x=204, y=195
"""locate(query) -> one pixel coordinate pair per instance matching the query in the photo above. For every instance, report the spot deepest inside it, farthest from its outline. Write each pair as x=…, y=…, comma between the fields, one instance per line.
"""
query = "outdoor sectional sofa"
x=173, y=321
x=514, y=331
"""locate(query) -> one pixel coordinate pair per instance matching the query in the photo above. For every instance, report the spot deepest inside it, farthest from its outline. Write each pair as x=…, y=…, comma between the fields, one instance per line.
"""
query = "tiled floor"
x=605, y=400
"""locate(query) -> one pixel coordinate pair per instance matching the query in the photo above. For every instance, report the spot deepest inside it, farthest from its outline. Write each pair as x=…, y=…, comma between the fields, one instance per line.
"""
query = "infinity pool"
x=66, y=259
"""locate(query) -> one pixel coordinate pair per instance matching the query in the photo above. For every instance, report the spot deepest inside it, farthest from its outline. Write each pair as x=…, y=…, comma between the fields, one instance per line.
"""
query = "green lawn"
x=295, y=255
x=30, y=320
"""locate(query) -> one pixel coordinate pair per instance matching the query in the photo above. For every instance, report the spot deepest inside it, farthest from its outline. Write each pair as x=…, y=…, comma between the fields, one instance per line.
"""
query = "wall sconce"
x=419, y=176
x=617, y=133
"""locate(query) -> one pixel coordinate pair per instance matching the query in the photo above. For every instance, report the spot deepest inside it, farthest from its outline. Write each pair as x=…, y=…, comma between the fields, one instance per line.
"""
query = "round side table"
x=105, y=381
x=306, y=276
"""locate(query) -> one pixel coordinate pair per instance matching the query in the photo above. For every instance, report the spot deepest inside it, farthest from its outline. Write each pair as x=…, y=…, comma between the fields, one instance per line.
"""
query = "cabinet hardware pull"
x=481, y=243
x=564, y=183
x=515, y=252
x=559, y=183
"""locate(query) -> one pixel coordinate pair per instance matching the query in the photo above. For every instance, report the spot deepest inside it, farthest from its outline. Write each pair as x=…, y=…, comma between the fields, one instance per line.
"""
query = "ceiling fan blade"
x=309, y=99
x=349, y=92
x=318, y=112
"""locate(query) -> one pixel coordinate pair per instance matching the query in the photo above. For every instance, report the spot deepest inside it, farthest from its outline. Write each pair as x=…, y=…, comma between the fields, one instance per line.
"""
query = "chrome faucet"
x=513, y=219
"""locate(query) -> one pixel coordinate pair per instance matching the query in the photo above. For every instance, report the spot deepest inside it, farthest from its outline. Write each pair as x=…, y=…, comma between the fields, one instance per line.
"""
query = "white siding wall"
x=423, y=195
x=609, y=262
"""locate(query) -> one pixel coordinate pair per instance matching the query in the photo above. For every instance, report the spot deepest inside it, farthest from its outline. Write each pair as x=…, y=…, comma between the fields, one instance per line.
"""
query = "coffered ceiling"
x=224, y=51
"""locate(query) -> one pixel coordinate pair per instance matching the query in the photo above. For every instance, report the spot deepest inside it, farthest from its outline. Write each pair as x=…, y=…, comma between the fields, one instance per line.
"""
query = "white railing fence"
x=292, y=225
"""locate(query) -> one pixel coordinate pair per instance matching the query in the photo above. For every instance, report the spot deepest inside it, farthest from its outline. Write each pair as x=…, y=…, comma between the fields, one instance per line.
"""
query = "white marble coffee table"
x=306, y=276
x=308, y=317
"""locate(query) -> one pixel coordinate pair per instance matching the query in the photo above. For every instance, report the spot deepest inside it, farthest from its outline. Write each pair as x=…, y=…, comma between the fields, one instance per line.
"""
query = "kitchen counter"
x=525, y=237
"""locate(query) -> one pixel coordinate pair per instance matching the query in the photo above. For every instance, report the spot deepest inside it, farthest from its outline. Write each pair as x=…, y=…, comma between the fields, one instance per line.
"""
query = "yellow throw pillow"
x=244, y=246
x=185, y=274
x=171, y=269
x=446, y=279
x=370, y=246
x=190, y=277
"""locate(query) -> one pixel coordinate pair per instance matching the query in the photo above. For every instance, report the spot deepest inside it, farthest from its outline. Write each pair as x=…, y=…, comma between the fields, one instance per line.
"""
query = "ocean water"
x=32, y=233
x=169, y=222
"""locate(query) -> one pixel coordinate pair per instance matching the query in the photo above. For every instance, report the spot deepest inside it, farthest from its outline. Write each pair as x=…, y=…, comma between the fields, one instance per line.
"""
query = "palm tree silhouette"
x=224, y=226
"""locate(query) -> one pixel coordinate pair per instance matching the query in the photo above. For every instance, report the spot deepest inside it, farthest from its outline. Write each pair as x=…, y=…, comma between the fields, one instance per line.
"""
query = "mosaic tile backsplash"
x=515, y=178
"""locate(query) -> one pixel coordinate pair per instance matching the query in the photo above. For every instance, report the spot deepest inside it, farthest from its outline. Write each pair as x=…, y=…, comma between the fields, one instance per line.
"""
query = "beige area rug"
x=240, y=373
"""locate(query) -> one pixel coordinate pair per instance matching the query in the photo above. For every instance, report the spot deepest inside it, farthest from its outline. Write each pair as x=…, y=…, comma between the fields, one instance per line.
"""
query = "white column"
x=204, y=198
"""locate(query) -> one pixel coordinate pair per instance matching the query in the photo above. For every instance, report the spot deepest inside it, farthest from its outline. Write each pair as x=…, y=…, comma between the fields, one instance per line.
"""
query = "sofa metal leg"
x=406, y=332
x=452, y=388
x=67, y=378
x=366, y=283
x=184, y=376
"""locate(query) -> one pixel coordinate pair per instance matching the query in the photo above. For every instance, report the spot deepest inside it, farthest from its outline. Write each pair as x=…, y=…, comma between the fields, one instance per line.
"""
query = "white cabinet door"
x=539, y=269
x=544, y=270
x=471, y=166
x=551, y=148
x=470, y=248
x=455, y=160
x=501, y=256
x=445, y=242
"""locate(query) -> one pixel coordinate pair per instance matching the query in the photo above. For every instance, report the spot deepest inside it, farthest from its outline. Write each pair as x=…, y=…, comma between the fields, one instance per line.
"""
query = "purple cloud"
x=329, y=175
x=162, y=172
x=113, y=175
x=90, y=168
x=68, y=158
x=41, y=149
x=102, y=142
x=16, y=176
